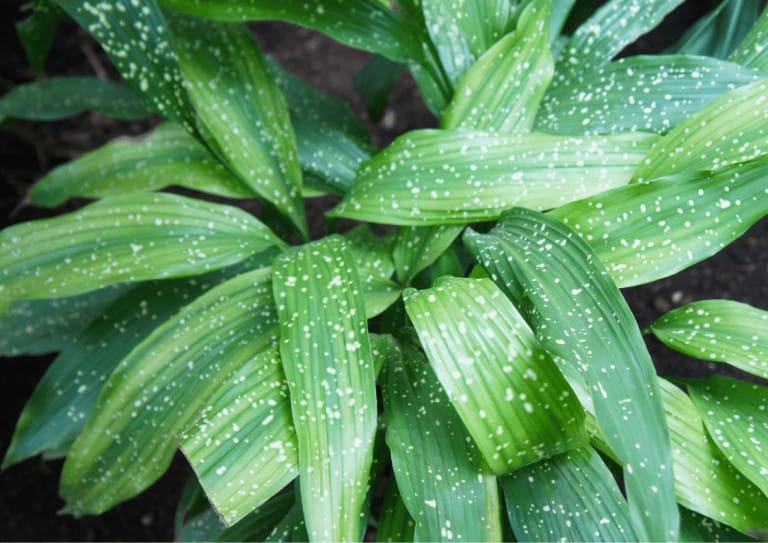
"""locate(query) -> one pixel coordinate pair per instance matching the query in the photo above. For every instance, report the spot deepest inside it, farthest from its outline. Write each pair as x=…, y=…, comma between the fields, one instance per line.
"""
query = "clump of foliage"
x=478, y=364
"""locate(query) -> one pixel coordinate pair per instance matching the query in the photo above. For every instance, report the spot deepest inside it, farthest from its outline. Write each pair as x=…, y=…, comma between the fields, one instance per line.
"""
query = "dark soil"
x=28, y=491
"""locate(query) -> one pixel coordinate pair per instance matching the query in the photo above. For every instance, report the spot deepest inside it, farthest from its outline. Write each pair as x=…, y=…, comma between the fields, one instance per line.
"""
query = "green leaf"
x=243, y=447
x=753, y=50
x=241, y=112
x=648, y=93
x=731, y=129
x=135, y=37
x=502, y=90
x=394, y=522
x=718, y=331
x=292, y=526
x=648, y=231
x=363, y=24
x=736, y=416
x=160, y=388
x=373, y=83
x=718, y=33
x=61, y=97
x=330, y=373
x=581, y=318
x=444, y=482
x=492, y=369
x=124, y=238
x=32, y=327
x=410, y=183
x=705, y=481
x=259, y=524
x=373, y=258
x=36, y=32
x=417, y=247
x=695, y=528
x=610, y=29
x=569, y=497
x=167, y=156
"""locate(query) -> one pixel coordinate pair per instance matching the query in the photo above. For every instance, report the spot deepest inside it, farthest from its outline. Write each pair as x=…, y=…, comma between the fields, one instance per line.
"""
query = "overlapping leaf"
x=328, y=365
x=412, y=182
x=718, y=331
x=695, y=528
x=569, y=497
x=394, y=522
x=647, y=93
x=417, y=247
x=444, y=482
x=160, y=388
x=168, y=156
x=60, y=97
x=647, y=231
x=240, y=110
x=492, y=369
x=374, y=82
x=581, y=318
x=753, y=50
x=124, y=238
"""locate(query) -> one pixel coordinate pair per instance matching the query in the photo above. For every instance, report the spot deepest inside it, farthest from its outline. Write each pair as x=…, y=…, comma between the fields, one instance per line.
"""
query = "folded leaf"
x=492, y=369
x=580, y=317
x=61, y=97
x=648, y=93
x=443, y=481
x=718, y=331
x=124, y=238
x=160, y=388
x=410, y=182
x=569, y=497
x=328, y=365
x=648, y=231
x=240, y=110
x=502, y=90
x=135, y=37
x=752, y=51
x=167, y=156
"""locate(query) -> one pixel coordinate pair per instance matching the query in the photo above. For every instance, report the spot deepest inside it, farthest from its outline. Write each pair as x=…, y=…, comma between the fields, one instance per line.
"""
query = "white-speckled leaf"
x=732, y=129
x=241, y=112
x=610, y=29
x=647, y=231
x=705, y=481
x=61, y=97
x=569, y=497
x=696, y=528
x=502, y=90
x=753, y=50
x=446, y=486
x=646, y=93
x=124, y=238
x=513, y=400
x=243, y=448
x=455, y=177
x=373, y=257
x=581, y=318
x=328, y=365
x=736, y=416
x=167, y=156
x=160, y=388
x=135, y=36
x=417, y=247
x=718, y=331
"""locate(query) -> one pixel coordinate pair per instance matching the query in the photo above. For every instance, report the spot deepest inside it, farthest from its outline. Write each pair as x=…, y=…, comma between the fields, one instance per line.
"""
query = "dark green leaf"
x=581, y=318
x=753, y=51
x=259, y=524
x=417, y=247
x=395, y=523
x=374, y=82
x=695, y=528
x=36, y=32
x=330, y=373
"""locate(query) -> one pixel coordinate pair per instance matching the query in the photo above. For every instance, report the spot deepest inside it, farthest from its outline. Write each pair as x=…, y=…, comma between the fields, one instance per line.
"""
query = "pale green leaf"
x=328, y=365
x=502, y=90
x=731, y=129
x=417, y=247
x=124, y=238
x=492, y=369
x=135, y=37
x=413, y=183
x=444, y=482
x=718, y=331
x=648, y=93
x=736, y=416
x=569, y=497
x=167, y=156
x=753, y=50
x=241, y=112
x=647, y=231
x=160, y=388
x=561, y=9
x=581, y=318
x=61, y=97
x=394, y=522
